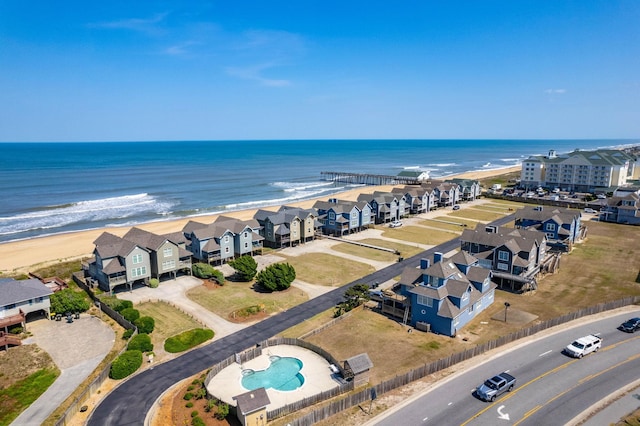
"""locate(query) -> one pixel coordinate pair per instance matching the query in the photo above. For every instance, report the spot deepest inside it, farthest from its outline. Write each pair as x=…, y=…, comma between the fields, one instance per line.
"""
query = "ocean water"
x=50, y=188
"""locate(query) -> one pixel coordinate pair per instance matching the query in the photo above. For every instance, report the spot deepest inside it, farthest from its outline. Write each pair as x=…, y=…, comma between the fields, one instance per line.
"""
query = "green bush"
x=145, y=325
x=130, y=314
x=154, y=283
x=140, y=342
x=187, y=340
x=276, y=277
x=222, y=411
x=194, y=413
x=189, y=404
x=218, y=276
x=246, y=267
x=126, y=364
x=69, y=300
x=203, y=270
x=127, y=334
x=16, y=330
x=115, y=303
x=188, y=396
x=197, y=421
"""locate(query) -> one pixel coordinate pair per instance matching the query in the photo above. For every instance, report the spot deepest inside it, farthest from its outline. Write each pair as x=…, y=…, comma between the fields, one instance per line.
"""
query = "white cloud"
x=254, y=73
x=145, y=25
x=555, y=91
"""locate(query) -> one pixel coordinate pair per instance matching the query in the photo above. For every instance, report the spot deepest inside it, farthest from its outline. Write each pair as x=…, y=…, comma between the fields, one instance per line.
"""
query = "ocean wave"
x=442, y=164
x=300, y=186
x=299, y=195
x=82, y=212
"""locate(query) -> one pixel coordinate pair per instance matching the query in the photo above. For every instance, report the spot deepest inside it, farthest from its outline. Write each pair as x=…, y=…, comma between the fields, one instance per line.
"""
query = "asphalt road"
x=552, y=388
x=129, y=403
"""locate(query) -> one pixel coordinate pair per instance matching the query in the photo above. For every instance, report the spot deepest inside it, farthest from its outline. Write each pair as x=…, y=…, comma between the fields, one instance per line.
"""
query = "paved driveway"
x=77, y=348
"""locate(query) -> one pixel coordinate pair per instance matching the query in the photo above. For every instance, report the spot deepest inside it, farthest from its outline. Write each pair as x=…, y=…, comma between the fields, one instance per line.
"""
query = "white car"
x=584, y=346
x=395, y=224
x=590, y=210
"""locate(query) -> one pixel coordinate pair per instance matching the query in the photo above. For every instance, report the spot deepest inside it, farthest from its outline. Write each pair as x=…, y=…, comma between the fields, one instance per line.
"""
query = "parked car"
x=495, y=386
x=630, y=325
x=601, y=196
x=456, y=207
x=590, y=210
x=584, y=346
x=395, y=224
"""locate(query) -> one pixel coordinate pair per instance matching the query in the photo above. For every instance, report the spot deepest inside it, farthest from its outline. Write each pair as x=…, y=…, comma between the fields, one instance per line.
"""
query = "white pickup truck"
x=584, y=346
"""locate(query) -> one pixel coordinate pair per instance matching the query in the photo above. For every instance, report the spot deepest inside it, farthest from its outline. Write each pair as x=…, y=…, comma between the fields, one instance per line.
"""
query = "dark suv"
x=630, y=325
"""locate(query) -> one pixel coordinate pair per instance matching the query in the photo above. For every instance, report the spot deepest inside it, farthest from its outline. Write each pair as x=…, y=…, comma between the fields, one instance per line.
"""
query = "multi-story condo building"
x=586, y=171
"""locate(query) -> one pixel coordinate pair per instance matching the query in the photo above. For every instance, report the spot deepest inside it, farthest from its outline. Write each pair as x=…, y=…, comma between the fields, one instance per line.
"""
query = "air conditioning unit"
x=423, y=326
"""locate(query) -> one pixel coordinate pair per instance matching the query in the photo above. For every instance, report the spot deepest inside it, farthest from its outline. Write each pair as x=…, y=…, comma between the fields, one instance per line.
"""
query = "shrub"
x=187, y=340
x=276, y=277
x=127, y=334
x=115, y=303
x=188, y=396
x=189, y=404
x=145, y=324
x=222, y=411
x=246, y=267
x=210, y=405
x=154, y=283
x=203, y=270
x=16, y=330
x=197, y=421
x=126, y=364
x=130, y=314
x=194, y=413
x=140, y=342
x=69, y=300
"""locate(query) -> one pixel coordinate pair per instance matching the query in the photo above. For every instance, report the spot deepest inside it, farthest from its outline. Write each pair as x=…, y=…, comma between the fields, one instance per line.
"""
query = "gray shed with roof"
x=358, y=369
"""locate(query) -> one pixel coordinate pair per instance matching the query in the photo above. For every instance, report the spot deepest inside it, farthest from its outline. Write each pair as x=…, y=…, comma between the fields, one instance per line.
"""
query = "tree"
x=145, y=324
x=130, y=314
x=125, y=364
x=246, y=267
x=69, y=300
x=203, y=270
x=353, y=297
x=276, y=277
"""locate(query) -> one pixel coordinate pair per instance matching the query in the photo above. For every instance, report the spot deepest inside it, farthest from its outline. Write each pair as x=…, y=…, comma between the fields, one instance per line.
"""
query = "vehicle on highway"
x=395, y=224
x=584, y=346
x=456, y=207
x=630, y=325
x=495, y=386
x=590, y=210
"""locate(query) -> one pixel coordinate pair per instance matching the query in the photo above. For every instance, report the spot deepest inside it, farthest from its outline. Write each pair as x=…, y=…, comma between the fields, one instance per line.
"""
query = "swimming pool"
x=283, y=374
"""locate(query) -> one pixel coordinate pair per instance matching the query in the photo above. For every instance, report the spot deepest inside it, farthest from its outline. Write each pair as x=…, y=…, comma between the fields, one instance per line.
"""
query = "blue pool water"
x=283, y=374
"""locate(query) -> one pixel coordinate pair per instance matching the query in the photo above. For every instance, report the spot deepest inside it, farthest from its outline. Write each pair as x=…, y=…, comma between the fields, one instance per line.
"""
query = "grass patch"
x=458, y=227
x=17, y=397
x=472, y=212
x=235, y=296
x=311, y=324
x=374, y=254
x=187, y=340
x=169, y=321
x=328, y=270
x=419, y=235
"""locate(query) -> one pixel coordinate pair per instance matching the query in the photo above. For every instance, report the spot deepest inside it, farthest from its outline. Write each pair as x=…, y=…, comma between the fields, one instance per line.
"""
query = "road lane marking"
x=545, y=353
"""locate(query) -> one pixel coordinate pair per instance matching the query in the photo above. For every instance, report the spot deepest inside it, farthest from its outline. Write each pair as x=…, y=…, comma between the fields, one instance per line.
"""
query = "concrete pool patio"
x=316, y=370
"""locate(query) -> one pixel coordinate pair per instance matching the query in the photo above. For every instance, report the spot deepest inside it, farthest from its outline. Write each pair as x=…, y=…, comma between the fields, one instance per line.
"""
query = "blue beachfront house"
x=339, y=217
x=385, y=206
x=562, y=226
x=447, y=293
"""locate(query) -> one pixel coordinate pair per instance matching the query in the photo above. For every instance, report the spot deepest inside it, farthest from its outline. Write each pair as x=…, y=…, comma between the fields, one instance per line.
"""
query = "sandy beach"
x=27, y=255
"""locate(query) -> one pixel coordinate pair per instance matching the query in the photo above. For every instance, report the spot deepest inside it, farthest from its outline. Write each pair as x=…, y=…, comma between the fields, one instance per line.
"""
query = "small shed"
x=357, y=369
x=252, y=407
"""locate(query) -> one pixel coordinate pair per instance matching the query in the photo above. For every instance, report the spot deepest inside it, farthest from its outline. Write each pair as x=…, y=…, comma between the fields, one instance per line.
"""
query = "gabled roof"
x=411, y=276
x=17, y=291
x=252, y=401
x=211, y=246
x=448, y=309
x=437, y=293
x=540, y=214
x=109, y=245
x=457, y=288
x=463, y=258
x=476, y=274
x=113, y=266
x=522, y=237
x=145, y=238
x=192, y=225
x=359, y=363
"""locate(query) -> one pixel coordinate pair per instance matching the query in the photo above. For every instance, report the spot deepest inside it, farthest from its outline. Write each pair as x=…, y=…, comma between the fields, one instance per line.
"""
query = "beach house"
x=468, y=190
x=166, y=257
x=340, y=217
x=287, y=227
x=444, y=294
x=418, y=199
x=624, y=209
x=118, y=261
x=562, y=227
x=223, y=239
x=18, y=299
x=513, y=255
x=385, y=206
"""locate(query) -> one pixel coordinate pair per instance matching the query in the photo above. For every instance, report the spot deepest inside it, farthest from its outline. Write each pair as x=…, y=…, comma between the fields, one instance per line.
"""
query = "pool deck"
x=316, y=371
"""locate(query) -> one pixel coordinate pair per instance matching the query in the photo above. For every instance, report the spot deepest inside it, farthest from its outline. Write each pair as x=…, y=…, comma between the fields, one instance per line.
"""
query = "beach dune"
x=28, y=255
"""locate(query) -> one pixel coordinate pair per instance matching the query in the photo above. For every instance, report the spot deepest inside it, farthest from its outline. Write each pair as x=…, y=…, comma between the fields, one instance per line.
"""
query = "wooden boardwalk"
x=368, y=179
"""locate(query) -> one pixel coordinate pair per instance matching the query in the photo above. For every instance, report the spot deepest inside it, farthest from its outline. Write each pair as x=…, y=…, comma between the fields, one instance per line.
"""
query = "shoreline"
x=22, y=255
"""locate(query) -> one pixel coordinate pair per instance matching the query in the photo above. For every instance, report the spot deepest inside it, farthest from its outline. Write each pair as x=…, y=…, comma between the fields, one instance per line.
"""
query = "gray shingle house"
x=418, y=199
x=340, y=217
x=563, y=227
x=19, y=298
x=287, y=227
x=385, y=206
x=624, y=209
x=165, y=255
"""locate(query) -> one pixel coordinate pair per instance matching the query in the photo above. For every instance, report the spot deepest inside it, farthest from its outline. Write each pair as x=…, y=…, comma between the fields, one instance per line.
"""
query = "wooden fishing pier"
x=368, y=179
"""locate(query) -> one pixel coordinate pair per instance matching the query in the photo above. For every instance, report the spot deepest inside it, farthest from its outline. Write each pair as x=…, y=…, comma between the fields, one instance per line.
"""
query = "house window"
x=246, y=234
x=139, y=272
x=168, y=265
x=425, y=301
x=226, y=238
x=503, y=255
x=332, y=215
x=137, y=258
x=226, y=249
x=503, y=266
x=246, y=245
x=167, y=252
x=550, y=227
x=550, y=235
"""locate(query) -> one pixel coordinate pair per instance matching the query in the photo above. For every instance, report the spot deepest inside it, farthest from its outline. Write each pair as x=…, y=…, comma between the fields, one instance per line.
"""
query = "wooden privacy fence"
x=335, y=407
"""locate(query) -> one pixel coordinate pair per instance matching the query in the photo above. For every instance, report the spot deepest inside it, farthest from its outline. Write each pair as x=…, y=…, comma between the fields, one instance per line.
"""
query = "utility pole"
x=506, y=306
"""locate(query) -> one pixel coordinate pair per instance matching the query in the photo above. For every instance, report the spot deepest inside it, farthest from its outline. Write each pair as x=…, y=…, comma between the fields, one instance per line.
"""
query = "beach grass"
x=419, y=235
x=446, y=224
x=235, y=296
x=327, y=270
x=478, y=214
x=17, y=397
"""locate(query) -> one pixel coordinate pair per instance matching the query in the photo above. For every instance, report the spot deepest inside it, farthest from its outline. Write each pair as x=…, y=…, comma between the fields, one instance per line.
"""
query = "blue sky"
x=233, y=70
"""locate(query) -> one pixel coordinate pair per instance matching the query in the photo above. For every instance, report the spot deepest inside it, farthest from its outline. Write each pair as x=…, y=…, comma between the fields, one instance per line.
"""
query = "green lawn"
x=326, y=269
x=17, y=397
x=234, y=296
x=459, y=227
x=419, y=235
x=169, y=321
x=379, y=255
x=476, y=214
